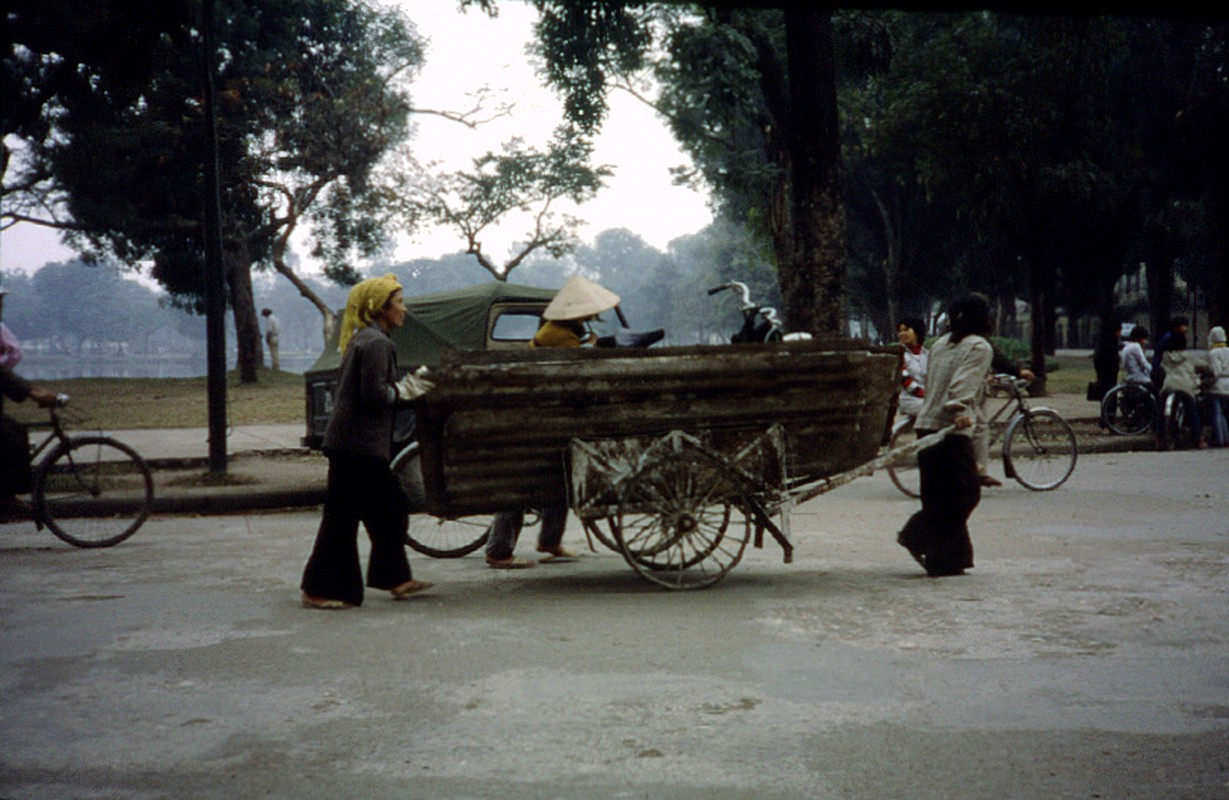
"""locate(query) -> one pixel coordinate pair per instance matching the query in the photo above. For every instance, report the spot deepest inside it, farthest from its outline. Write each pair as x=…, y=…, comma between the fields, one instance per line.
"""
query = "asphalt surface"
x=1086, y=656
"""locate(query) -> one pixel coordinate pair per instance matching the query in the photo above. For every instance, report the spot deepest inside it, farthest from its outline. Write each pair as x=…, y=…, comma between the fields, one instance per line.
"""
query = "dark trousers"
x=360, y=489
x=506, y=529
x=15, y=477
x=938, y=535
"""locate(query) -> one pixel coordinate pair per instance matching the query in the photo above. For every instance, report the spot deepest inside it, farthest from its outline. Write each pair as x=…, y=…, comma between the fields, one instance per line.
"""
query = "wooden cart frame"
x=675, y=457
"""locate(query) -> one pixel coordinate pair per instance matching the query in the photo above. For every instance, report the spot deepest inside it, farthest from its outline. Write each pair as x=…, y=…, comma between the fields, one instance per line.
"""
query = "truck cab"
x=490, y=316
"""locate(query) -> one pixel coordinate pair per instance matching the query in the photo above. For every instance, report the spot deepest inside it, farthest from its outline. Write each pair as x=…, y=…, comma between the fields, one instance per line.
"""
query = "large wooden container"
x=495, y=430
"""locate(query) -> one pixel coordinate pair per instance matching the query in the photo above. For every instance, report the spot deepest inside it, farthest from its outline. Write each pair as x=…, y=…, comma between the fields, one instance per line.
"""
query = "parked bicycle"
x=89, y=490
x=1039, y=446
x=1129, y=409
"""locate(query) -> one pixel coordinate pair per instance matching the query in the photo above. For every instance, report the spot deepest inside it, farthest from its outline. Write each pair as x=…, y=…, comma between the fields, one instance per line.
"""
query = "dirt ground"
x=1086, y=656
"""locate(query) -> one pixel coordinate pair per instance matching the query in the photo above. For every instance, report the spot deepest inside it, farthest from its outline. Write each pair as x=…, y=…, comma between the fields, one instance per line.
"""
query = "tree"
x=312, y=95
x=751, y=94
x=520, y=179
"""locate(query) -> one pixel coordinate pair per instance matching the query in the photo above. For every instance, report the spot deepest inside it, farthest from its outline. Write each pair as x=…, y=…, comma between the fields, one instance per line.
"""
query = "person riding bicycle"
x=1136, y=372
x=1180, y=368
x=15, y=474
x=1134, y=362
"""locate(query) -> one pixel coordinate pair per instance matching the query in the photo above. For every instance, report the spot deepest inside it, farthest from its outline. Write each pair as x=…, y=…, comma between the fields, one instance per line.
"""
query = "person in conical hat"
x=563, y=325
x=579, y=301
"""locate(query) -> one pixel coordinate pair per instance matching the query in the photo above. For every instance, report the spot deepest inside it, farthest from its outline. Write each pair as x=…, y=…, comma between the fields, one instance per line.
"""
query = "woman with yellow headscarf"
x=358, y=443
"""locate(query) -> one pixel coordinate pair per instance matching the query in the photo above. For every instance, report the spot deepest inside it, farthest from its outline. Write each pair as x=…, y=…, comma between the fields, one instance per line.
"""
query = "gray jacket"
x=362, y=420
x=955, y=382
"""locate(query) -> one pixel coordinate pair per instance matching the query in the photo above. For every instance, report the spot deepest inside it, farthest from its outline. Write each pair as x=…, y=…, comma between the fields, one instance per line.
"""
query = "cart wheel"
x=603, y=530
x=679, y=524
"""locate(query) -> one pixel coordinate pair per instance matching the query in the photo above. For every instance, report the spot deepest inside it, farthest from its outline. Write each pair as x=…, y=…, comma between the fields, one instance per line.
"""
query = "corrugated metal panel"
x=494, y=431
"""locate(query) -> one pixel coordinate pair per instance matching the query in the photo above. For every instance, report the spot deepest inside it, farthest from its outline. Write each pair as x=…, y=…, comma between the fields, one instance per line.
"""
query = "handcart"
x=675, y=457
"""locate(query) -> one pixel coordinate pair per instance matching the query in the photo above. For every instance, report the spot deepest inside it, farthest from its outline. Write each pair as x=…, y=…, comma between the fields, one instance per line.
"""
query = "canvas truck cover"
x=442, y=321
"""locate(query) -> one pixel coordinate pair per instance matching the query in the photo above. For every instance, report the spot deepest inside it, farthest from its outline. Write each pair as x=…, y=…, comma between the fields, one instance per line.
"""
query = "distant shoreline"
x=51, y=367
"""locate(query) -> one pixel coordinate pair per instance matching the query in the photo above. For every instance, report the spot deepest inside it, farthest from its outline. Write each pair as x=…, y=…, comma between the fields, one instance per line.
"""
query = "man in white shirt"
x=273, y=329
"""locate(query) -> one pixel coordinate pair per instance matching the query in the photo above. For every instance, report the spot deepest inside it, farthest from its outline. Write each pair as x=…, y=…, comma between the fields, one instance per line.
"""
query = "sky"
x=466, y=52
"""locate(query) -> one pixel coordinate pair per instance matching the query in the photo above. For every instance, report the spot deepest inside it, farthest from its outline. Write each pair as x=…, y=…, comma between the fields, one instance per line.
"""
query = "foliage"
x=311, y=95
x=519, y=179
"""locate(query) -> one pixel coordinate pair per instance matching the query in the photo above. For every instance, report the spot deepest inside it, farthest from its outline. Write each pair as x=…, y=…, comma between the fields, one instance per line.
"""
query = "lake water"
x=40, y=367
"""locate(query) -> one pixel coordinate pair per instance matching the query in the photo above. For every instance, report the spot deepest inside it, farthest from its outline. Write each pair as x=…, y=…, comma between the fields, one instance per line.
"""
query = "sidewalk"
x=269, y=468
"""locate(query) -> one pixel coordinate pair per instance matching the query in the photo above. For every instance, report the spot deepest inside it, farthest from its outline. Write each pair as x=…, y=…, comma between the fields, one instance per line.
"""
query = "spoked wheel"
x=603, y=530
x=432, y=536
x=904, y=473
x=1179, y=427
x=93, y=491
x=1040, y=450
x=1128, y=409
x=679, y=524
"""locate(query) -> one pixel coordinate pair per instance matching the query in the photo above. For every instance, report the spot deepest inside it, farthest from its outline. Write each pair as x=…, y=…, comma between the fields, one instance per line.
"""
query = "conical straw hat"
x=580, y=298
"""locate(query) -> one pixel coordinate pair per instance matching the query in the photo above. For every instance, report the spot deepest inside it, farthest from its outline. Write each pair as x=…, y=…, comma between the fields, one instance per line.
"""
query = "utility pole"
x=215, y=282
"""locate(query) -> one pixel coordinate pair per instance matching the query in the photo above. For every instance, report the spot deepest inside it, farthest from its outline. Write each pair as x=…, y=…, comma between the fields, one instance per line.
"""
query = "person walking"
x=273, y=332
x=937, y=536
x=564, y=319
x=358, y=442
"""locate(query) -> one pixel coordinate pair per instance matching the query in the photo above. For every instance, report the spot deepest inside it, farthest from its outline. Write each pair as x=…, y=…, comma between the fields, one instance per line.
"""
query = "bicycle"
x=435, y=536
x=89, y=490
x=1129, y=409
x=1039, y=446
x=1179, y=411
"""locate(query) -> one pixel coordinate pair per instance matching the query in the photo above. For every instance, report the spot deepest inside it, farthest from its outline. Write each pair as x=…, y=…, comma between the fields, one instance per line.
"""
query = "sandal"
x=559, y=553
x=323, y=603
x=408, y=588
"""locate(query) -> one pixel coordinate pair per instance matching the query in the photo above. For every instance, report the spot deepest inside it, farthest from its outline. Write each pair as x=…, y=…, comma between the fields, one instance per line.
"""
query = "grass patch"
x=1072, y=376
x=212, y=479
x=137, y=403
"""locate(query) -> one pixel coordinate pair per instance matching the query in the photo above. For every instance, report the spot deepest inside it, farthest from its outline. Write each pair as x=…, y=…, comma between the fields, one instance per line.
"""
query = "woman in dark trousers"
x=358, y=443
x=938, y=536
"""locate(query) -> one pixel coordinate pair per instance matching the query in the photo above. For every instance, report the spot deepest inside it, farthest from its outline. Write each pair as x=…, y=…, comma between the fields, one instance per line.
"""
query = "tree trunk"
x=329, y=319
x=813, y=278
x=243, y=308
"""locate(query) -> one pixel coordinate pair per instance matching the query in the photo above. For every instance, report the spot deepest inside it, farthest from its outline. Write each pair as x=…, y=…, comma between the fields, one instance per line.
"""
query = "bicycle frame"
x=1015, y=401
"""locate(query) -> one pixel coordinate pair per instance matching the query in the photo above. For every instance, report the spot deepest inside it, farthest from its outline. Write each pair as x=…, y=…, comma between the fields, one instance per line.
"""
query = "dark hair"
x=1178, y=321
x=969, y=315
x=1138, y=333
x=914, y=324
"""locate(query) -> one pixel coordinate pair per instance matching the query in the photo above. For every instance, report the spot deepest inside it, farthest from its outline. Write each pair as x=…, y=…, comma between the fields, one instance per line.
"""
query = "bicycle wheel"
x=1040, y=450
x=1128, y=409
x=93, y=491
x=904, y=473
x=1179, y=427
x=433, y=536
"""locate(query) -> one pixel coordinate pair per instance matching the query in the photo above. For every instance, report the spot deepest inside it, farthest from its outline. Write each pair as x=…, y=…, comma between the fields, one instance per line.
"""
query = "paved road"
x=1085, y=657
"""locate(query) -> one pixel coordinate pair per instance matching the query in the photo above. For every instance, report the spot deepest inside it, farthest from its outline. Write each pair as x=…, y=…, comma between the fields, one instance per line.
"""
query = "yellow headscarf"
x=364, y=302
